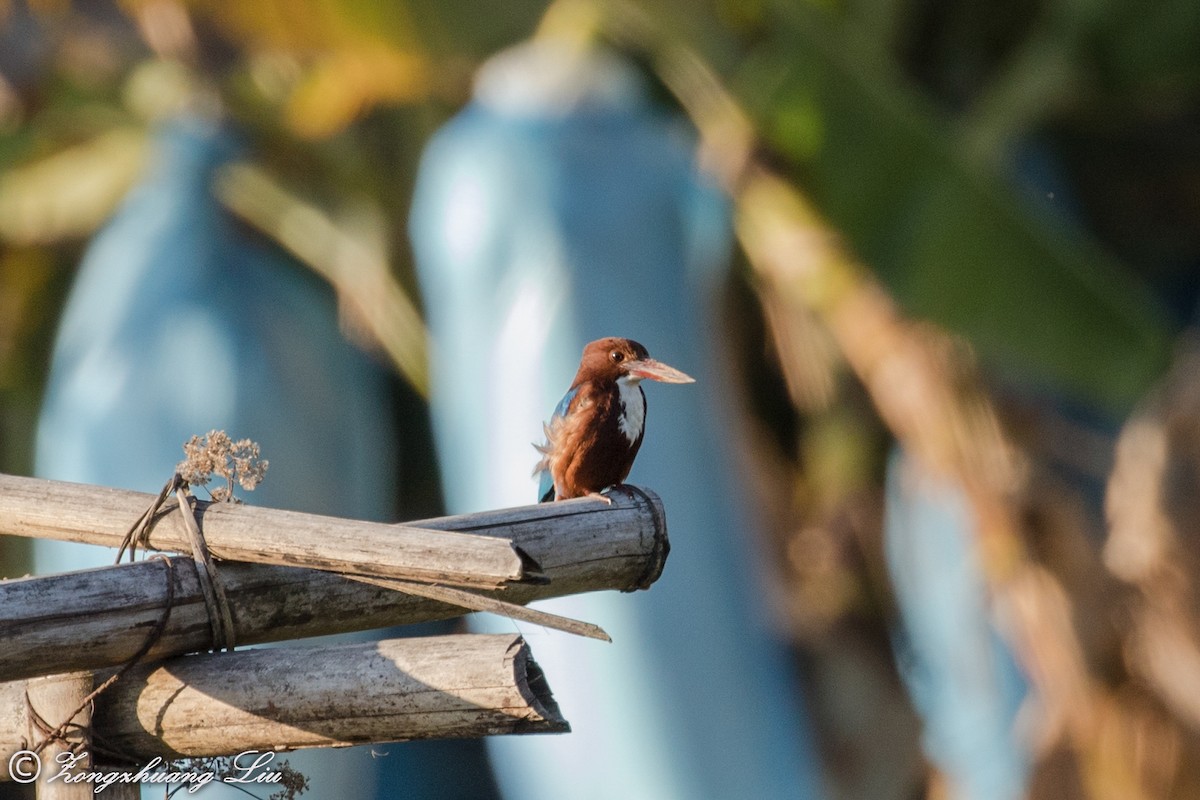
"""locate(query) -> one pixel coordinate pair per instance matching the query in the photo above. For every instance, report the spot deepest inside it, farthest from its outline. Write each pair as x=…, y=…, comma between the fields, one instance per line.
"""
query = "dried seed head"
x=217, y=454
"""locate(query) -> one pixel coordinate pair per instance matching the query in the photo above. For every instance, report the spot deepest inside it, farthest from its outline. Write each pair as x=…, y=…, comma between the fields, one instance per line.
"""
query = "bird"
x=597, y=428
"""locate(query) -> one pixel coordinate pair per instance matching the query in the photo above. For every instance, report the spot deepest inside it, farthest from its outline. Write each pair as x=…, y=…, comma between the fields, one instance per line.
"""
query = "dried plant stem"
x=926, y=395
x=210, y=581
x=358, y=272
x=1151, y=527
x=472, y=601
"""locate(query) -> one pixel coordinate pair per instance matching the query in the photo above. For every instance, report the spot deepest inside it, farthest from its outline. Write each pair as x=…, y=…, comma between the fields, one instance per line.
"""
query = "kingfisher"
x=597, y=428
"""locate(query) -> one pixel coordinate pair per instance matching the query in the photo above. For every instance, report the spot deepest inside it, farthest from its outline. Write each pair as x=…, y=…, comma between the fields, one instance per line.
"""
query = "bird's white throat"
x=633, y=407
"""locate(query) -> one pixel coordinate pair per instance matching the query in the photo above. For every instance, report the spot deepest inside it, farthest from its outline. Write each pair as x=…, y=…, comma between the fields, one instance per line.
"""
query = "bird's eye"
x=617, y=356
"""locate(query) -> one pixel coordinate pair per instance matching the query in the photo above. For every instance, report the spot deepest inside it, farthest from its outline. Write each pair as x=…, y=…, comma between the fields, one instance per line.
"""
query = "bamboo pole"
x=275, y=699
x=99, y=515
x=51, y=701
x=99, y=618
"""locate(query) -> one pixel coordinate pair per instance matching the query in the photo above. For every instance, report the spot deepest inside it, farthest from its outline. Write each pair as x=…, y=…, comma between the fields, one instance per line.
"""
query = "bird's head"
x=627, y=361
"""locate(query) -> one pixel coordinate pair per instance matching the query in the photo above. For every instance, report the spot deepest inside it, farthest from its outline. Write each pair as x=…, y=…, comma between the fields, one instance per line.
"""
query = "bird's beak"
x=658, y=371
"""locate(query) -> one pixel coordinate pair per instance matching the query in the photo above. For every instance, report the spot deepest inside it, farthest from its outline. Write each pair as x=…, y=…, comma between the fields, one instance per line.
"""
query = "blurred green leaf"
x=1043, y=303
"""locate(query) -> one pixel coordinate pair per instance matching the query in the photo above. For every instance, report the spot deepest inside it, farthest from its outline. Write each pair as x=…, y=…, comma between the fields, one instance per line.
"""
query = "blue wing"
x=546, y=486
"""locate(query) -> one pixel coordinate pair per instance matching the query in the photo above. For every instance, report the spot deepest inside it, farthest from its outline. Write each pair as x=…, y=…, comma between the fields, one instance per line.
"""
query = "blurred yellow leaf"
x=70, y=193
x=351, y=54
x=311, y=26
x=344, y=84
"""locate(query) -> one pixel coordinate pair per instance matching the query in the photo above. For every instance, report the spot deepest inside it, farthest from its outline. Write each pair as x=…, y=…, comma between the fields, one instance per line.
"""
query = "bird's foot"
x=598, y=496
